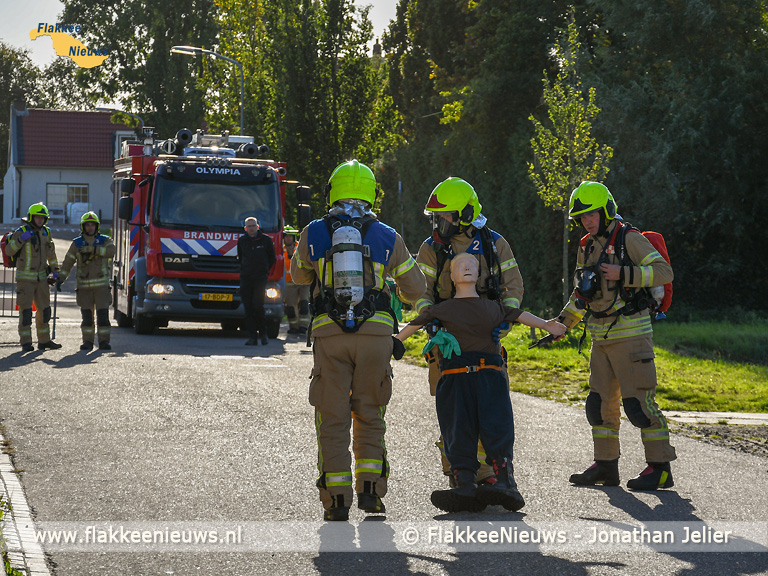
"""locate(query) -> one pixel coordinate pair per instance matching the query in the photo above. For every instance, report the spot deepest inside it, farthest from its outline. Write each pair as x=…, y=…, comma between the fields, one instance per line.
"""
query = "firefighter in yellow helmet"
x=612, y=266
x=36, y=269
x=458, y=227
x=93, y=253
x=348, y=254
x=296, y=296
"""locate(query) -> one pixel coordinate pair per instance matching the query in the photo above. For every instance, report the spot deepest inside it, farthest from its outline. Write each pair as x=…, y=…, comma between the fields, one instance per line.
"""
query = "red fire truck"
x=179, y=208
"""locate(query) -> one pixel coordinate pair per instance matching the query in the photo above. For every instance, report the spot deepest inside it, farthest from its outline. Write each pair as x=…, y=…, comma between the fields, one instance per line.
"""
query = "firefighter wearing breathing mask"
x=93, y=253
x=622, y=368
x=458, y=227
x=348, y=254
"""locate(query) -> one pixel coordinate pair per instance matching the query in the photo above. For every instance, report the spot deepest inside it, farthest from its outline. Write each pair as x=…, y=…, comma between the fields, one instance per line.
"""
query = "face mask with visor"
x=443, y=229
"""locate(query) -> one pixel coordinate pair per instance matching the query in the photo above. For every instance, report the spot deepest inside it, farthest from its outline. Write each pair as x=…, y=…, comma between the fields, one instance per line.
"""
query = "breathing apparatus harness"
x=444, y=252
x=587, y=281
x=326, y=301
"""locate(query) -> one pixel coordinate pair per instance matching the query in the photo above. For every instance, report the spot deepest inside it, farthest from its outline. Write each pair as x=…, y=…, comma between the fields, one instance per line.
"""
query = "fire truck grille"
x=216, y=264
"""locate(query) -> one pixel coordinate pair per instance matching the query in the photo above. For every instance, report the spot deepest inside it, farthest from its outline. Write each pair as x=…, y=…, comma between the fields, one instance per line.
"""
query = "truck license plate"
x=216, y=297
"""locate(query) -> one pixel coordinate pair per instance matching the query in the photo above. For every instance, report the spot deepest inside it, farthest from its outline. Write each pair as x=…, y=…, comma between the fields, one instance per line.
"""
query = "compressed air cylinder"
x=348, y=288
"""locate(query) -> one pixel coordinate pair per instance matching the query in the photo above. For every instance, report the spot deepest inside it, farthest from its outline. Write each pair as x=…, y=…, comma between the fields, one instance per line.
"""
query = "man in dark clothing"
x=256, y=254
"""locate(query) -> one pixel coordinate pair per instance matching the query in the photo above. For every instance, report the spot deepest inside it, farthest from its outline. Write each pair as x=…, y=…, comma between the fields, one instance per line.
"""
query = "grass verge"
x=9, y=570
x=694, y=379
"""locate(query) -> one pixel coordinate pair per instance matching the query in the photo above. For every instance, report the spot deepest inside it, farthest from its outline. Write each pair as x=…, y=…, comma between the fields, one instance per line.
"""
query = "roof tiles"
x=68, y=138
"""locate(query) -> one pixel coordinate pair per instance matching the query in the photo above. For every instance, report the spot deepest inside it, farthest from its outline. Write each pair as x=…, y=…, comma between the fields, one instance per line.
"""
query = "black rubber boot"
x=27, y=348
x=104, y=346
x=337, y=512
x=50, y=345
x=463, y=498
x=656, y=475
x=86, y=346
x=367, y=500
x=605, y=472
x=504, y=491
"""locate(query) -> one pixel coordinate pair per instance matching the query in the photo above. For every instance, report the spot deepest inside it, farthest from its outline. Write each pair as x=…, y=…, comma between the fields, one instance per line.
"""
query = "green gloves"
x=446, y=342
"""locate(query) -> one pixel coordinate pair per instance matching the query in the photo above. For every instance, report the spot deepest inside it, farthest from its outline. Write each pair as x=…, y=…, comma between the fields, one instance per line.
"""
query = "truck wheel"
x=123, y=321
x=273, y=328
x=143, y=324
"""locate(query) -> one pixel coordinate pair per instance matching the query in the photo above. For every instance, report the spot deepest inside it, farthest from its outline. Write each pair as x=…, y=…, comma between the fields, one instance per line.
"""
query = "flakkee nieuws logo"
x=67, y=45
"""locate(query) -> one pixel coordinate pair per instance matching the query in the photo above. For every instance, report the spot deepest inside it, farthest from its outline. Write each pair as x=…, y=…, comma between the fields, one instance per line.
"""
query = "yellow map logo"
x=67, y=45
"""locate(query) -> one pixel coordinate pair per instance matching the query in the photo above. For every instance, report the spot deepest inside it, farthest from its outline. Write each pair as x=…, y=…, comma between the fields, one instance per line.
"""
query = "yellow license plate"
x=216, y=297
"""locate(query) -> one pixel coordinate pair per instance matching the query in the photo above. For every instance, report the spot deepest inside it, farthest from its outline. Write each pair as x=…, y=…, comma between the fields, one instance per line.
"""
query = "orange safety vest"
x=287, y=260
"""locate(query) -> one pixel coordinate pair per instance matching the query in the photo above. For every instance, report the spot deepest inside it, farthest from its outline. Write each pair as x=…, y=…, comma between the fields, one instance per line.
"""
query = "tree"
x=141, y=75
x=19, y=78
x=566, y=153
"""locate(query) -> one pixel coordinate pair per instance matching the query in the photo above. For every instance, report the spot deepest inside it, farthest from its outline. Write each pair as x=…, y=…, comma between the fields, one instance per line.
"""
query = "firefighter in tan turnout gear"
x=296, y=297
x=348, y=254
x=614, y=265
x=458, y=227
x=36, y=269
x=93, y=253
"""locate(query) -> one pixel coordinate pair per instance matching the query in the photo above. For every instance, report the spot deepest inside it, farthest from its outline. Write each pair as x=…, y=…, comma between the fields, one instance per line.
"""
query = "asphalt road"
x=190, y=429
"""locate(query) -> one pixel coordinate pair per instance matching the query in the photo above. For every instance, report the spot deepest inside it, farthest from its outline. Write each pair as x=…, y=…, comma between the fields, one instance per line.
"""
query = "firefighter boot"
x=86, y=346
x=28, y=347
x=337, y=511
x=463, y=498
x=504, y=490
x=367, y=500
x=605, y=472
x=50, y=345
x=656, y=475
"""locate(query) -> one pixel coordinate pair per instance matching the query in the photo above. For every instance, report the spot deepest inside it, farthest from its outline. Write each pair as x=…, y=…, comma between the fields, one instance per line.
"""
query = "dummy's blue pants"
x=475, y=404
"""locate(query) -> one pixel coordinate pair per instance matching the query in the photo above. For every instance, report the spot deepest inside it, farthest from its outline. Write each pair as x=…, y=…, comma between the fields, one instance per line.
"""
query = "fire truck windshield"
x=214, y=204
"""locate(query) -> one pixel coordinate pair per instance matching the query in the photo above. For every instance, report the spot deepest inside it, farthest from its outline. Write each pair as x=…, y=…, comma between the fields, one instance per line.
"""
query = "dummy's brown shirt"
x=471, y=321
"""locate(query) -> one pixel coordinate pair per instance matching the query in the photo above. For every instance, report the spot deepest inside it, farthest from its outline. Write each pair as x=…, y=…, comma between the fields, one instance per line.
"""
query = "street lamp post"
x=116, y=111
x=194, y=51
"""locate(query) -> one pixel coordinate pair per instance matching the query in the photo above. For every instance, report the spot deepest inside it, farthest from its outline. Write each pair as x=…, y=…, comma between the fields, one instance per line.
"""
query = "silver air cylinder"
x=348, y=288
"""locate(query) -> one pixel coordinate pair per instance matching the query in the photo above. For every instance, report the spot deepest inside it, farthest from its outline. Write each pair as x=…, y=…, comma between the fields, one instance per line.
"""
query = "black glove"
x=398, y=348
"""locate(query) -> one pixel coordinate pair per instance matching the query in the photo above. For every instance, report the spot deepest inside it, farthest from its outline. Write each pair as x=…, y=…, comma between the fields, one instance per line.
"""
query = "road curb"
x=742, y=418
x=24, y=551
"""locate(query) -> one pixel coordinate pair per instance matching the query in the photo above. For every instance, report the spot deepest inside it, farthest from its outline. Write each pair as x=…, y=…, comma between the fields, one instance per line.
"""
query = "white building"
x=60, y=158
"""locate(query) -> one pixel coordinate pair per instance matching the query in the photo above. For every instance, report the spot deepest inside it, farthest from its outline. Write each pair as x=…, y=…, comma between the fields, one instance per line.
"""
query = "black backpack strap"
x=492, y=261
x=442, y=258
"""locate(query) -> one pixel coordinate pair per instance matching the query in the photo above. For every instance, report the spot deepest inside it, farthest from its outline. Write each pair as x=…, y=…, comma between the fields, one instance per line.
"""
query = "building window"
x=77, y=193
x=56, y=196
x=65, y=201
x=59, y=195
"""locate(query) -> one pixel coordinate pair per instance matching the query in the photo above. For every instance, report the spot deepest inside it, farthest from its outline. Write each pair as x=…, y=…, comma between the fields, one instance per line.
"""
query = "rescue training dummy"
x=346, y=256
x=610, y=277
x=472, y=397
x=458, y=226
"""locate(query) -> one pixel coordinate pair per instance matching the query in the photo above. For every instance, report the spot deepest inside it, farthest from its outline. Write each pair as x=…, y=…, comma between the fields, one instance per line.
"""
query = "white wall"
x=34, y=181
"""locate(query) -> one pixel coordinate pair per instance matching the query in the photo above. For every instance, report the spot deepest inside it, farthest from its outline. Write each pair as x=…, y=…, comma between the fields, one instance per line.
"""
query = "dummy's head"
x=465, y=269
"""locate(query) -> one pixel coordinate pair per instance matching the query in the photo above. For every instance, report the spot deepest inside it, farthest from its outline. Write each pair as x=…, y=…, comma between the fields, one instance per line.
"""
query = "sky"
x=18, y=17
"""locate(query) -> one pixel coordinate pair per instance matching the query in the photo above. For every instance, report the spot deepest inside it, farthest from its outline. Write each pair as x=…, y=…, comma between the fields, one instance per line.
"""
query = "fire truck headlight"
x=161, y=289
x=273, y=293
